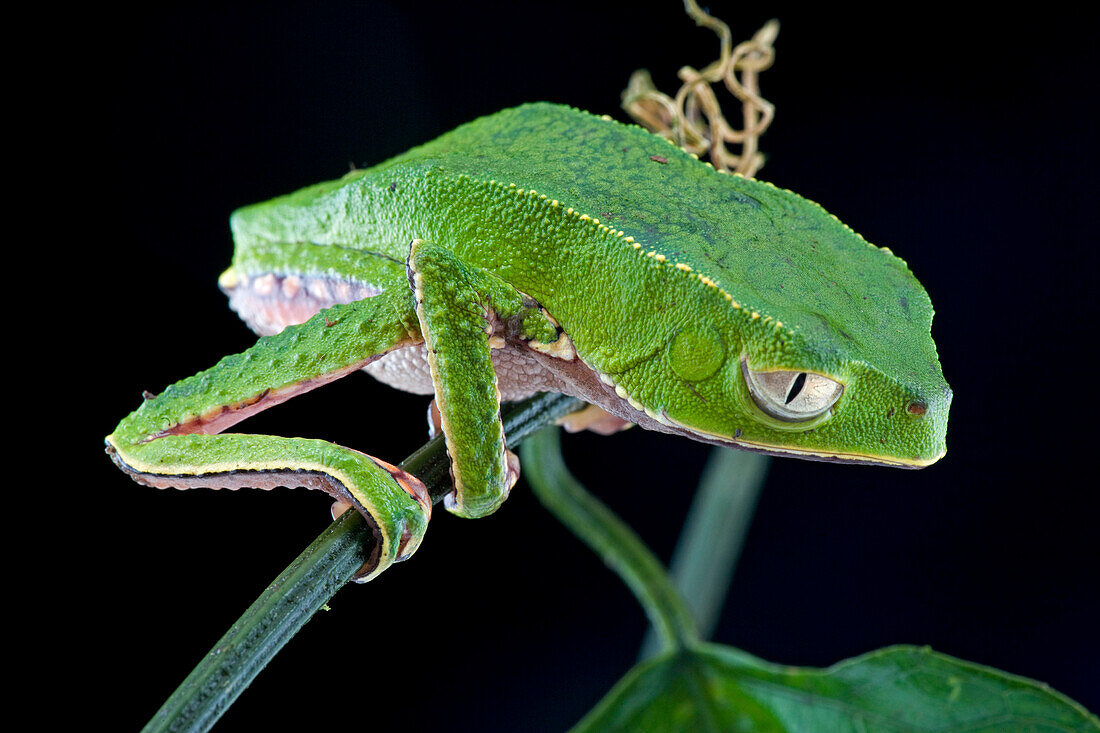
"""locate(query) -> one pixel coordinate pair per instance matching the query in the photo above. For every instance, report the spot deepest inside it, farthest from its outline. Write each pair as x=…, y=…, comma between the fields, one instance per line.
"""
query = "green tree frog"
x=546, y=248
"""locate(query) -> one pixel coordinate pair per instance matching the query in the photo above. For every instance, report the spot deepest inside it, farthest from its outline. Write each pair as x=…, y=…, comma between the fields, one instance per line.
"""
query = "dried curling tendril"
x=693, y=118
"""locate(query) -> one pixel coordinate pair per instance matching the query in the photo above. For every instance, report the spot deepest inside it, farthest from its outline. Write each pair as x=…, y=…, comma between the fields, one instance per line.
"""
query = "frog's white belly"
x=270, y=302
x=519, y=374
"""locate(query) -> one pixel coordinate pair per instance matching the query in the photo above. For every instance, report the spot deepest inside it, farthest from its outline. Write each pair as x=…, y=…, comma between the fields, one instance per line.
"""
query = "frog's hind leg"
x=172, y=440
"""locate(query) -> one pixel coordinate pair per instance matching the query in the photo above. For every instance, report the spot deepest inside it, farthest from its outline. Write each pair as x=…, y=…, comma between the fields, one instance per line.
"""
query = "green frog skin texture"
x=546, y=248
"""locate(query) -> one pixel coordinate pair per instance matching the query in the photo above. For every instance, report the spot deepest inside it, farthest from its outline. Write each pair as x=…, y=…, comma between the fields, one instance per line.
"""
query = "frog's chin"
x=851, y=458
x=807, y=455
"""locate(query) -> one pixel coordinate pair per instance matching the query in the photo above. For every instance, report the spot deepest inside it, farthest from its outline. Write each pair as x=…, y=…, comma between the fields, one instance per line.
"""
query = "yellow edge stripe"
x=891, y=461
x=663, y=259
x=230, y=467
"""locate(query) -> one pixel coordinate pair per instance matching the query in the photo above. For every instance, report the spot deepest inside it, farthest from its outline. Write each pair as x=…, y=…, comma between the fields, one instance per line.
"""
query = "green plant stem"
x=713, y=534
x=310, y=581
x=609, y=537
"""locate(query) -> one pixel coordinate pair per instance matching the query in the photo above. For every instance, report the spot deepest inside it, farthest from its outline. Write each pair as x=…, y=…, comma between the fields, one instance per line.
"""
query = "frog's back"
x=778, y=254
x=774, y=253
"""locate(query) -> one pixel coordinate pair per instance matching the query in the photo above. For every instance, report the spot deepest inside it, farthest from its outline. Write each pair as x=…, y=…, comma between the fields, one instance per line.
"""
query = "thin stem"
x=309, y=582
x=607, y=535
x=283, y=608
x=713, y=535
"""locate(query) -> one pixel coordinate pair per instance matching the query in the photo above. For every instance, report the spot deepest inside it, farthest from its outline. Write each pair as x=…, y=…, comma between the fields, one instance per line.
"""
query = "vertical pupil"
x=796, y=387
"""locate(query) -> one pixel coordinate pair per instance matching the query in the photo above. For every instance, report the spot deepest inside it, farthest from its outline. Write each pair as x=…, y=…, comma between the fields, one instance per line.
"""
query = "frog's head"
x=846, y=411
x=782, y=396
x=801, y=339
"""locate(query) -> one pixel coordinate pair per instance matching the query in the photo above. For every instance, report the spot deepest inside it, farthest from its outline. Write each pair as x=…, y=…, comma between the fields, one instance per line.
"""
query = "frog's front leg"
x=172, y=440
x=460, y=307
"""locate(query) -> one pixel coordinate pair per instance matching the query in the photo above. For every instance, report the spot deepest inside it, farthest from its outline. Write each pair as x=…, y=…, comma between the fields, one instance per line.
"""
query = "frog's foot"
x=596, y=419
x=338, y=508
x=435, y=427
x=534, y=326
x=451, y=504
x=435, y=420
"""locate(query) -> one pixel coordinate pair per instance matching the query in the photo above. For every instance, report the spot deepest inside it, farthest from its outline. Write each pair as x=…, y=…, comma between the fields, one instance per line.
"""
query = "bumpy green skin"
x=662, y=272
x=452, y=301
x=778, y=278
x=165, y=442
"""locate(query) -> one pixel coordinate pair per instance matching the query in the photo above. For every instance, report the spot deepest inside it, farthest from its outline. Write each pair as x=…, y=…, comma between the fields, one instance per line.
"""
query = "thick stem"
x=309, y=582
x=713, y=534
x=607, y=535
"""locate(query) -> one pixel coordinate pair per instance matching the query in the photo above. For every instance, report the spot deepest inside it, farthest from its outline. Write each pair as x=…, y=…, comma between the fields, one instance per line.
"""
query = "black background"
x=959, y=139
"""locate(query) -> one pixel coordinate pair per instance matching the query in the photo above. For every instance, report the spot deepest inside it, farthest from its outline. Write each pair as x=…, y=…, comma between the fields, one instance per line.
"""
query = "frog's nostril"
x=916, y=408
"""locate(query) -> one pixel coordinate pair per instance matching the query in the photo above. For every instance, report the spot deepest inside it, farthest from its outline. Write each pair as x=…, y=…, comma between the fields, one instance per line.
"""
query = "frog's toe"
x=435, y=420
x=483, y=503
x=513, y=469
x=593, y=418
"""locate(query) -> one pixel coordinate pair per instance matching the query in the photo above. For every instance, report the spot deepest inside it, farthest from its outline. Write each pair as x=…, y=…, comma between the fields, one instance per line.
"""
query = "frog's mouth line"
x=855, y=459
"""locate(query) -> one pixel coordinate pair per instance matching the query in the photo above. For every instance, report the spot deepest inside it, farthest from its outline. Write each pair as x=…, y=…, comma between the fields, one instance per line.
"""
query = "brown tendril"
x=693, y=118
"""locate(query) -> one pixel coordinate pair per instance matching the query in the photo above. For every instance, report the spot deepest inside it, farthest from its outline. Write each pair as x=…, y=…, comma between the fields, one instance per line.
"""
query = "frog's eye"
x=789, y=395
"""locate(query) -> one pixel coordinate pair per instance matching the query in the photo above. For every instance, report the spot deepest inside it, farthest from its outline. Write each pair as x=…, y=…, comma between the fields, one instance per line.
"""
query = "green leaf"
x=708, y=687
